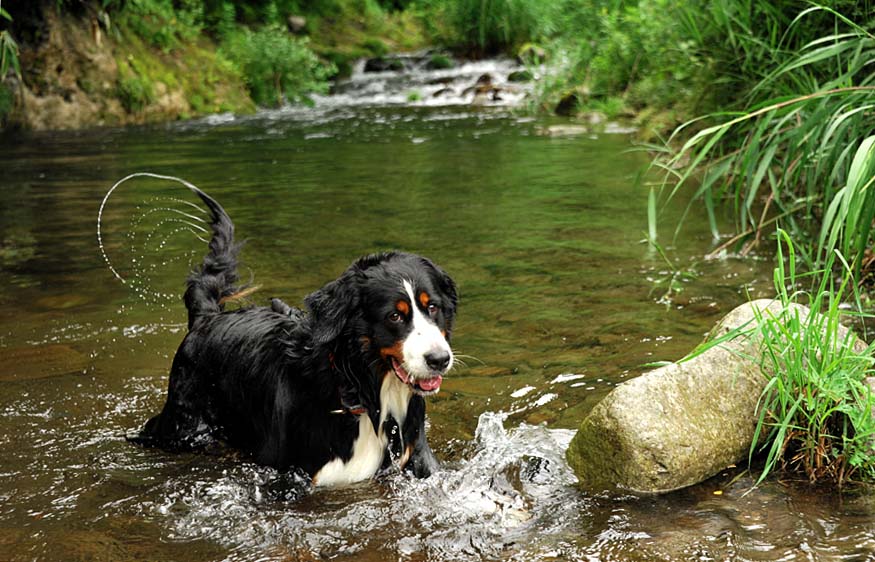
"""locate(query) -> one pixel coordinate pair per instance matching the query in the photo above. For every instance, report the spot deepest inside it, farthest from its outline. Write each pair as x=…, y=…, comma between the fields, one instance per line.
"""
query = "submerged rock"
x=679, y=424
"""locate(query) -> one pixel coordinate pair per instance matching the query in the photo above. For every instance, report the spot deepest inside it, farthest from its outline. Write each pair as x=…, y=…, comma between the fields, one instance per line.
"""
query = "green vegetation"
x=135, y=92
x=483, y=27
x=816, y=411
x=787, y=157
x=8, y=49
x=276, y=66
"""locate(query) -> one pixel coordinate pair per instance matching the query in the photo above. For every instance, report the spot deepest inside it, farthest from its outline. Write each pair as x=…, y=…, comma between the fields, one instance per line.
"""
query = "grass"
x=794, y=154
x=485, y=27
x=815, y=414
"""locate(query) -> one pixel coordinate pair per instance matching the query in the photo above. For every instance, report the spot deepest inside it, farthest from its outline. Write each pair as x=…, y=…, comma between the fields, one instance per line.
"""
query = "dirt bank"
x=79, y=70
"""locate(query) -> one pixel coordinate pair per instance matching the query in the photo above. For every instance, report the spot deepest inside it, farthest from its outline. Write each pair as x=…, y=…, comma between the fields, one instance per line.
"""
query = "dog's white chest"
x=369, y=447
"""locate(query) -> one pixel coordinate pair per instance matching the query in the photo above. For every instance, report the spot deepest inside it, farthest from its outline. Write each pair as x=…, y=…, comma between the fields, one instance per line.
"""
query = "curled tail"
x=215, y=280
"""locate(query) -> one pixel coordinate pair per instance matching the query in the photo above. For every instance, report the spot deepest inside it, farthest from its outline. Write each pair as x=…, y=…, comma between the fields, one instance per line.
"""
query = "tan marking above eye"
x=402, y=307
x=423, y=299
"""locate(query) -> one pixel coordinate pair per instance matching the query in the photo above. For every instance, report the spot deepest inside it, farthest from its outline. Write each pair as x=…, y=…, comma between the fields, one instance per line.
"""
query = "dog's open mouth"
x=419, y=386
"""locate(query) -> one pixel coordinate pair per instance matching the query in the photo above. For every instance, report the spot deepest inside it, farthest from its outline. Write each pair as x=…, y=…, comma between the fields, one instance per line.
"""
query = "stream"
x=560, y=300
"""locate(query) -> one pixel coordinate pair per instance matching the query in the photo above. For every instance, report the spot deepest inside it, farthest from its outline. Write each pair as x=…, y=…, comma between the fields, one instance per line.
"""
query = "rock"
x=562, y=130
x=520, y=76
x=296, y=24
x=596, y=118
x=442, y=80
x=383, y=64
x=443, y=92
x=679, y=424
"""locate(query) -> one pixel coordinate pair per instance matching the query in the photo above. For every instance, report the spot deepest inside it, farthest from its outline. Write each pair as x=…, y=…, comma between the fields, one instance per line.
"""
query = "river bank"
x=97, y=64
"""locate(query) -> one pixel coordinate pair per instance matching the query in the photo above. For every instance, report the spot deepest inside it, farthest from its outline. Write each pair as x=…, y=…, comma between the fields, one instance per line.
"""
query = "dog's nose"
x=437, y=360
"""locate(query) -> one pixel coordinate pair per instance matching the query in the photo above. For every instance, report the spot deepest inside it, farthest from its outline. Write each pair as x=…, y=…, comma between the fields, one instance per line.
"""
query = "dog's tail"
x=214, y=282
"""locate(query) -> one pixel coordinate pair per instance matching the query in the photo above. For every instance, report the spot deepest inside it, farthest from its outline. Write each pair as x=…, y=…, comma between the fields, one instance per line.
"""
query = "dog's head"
x=398, y=309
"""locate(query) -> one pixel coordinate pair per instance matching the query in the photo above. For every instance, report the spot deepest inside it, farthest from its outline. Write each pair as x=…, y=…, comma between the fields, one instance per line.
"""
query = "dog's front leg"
x=420, y=458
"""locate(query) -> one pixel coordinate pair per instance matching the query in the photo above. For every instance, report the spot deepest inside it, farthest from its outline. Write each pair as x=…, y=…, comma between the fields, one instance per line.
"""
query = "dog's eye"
x=433, y=310
x=395, y=317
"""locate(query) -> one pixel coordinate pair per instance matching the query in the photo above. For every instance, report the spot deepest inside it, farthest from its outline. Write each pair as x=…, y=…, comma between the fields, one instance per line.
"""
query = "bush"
x=277, y=66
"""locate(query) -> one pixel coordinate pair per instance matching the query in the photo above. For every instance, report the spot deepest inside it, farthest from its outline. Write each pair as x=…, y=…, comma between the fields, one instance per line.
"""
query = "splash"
x=513, y=498
x=170, y=221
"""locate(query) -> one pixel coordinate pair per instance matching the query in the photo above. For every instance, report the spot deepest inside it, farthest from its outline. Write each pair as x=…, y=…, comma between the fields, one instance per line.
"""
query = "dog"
x=336, y=391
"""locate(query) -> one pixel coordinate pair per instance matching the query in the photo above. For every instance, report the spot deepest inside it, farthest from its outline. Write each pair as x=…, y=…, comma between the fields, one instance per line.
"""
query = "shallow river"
x=560, y=301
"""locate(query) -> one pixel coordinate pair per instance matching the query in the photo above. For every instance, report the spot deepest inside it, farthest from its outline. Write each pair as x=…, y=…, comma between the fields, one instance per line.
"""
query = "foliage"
x=790, y=151
x=164, y=23
x=8, y=50
x=487, y=26
x=276, y=65
x=816, y=410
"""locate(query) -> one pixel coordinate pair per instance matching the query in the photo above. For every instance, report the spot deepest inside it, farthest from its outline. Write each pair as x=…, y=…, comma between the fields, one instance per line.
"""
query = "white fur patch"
x=424, y=337
x=369, y=447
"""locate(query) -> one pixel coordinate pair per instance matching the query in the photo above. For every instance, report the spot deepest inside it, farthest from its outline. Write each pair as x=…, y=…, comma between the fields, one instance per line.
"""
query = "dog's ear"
x=445, y=283
x=332, y=306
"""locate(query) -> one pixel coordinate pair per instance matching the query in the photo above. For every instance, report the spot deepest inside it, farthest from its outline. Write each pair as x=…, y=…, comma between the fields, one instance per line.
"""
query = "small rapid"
x=412, y=79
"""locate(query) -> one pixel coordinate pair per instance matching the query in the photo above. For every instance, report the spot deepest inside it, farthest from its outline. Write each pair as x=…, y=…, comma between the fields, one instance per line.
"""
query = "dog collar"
x=356, y=410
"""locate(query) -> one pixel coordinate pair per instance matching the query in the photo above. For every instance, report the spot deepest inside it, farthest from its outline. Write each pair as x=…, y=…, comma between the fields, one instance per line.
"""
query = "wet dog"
x=330, y=390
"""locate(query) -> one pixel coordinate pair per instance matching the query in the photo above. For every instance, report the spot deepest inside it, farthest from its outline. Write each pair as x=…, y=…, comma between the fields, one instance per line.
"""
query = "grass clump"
x=816, y=410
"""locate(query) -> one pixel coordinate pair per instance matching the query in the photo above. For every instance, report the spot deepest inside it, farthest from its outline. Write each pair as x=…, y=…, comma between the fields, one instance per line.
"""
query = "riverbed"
x=560, y=300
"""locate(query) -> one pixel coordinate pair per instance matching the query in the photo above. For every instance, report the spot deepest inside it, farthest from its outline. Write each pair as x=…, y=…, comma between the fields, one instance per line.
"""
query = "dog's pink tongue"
x=430, y=384
x=399, y=370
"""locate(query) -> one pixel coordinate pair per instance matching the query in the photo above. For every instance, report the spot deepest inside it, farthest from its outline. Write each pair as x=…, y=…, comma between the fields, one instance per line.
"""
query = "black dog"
x=328, y=391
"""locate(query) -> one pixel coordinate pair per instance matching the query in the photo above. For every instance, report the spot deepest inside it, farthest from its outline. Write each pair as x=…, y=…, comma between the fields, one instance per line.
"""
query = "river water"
x=560, y=301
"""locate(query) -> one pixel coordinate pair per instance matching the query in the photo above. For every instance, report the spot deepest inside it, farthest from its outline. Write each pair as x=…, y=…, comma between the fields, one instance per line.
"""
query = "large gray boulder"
x=679, y=424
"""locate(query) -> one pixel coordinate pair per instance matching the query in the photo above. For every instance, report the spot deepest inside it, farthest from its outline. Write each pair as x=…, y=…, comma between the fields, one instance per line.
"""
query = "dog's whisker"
x=457, y=361
x=469, y=357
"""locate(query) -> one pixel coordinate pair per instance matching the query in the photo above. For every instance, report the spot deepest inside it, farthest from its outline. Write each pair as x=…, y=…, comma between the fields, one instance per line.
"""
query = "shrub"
x=277, y=66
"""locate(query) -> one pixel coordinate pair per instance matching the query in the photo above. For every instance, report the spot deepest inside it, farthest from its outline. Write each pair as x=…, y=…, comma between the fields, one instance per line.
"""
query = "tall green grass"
x=483, y=27
x=815, y=414
x=800, y=151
